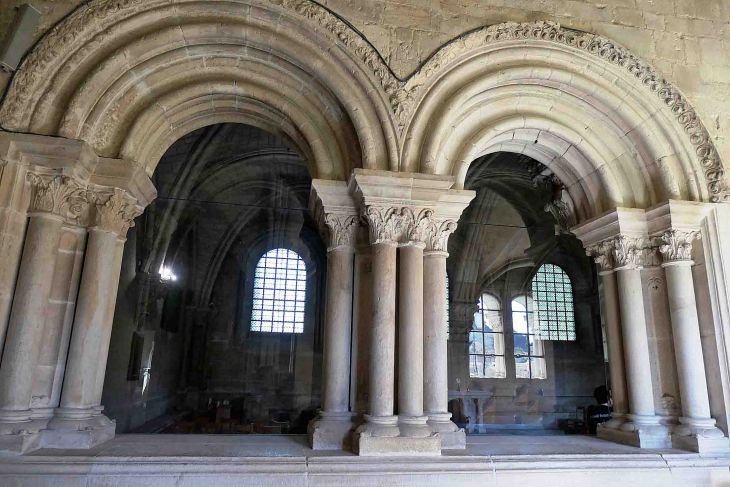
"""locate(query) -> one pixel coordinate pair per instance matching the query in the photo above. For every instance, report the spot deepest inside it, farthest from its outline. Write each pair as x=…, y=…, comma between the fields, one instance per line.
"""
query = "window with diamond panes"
x=553, y=295
x=529, y=350
x=486, y=340
x=279, y=289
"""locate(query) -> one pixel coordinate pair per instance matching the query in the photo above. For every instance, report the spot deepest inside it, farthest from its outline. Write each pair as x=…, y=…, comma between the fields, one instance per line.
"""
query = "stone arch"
x=131, y=76
x=615, y=132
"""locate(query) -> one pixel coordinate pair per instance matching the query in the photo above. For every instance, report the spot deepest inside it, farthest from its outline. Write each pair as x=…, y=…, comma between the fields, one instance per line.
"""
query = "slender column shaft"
x=382, y=350
x=435, y=394
x=59, y=317
x=337, y=329
x=410, y=340
x=27, y=316
x=636, y=345
x=687, y=341
x=89, y=325
x=614, y=338
x=108, y=322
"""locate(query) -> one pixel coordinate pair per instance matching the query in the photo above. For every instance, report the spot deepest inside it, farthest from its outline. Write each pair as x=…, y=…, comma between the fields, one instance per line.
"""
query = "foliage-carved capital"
x=620, y=252
x=676, y=245
x=58, y=194
x=115, y=210
x=339, y=230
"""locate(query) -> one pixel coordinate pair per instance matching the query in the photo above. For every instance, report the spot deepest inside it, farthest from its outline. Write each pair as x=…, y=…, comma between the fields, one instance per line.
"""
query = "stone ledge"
x=639, y=439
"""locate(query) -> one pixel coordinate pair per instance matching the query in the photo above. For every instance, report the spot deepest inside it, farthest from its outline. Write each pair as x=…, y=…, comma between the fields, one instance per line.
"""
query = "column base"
x=21, y=443
x=638, y=431
x=452, y=437
x=331, y=431
x=78, y=429
x=79, y=439
x=700, y=435
x=617, y=419
x=381, y=435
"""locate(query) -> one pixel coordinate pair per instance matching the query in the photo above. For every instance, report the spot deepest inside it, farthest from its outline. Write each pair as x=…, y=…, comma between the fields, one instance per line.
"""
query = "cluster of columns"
x=622, y=242
x=408, y=239
x=59, y=328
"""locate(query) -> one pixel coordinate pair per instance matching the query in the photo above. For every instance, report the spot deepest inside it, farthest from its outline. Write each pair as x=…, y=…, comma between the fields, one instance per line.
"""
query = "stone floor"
x=260, y=460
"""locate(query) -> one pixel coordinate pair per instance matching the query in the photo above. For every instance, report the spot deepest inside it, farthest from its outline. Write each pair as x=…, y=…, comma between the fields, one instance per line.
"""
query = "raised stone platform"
x=262, y=460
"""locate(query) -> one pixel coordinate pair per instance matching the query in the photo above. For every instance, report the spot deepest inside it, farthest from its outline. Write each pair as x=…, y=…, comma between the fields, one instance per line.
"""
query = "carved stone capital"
x=620, y=252
x=339, y=230
x=114, y=210
x=58, y=194
x=676, y=245
x=387, y=223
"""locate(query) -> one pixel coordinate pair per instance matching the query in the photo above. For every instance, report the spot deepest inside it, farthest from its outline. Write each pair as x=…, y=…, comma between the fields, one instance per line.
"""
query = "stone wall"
x=688, y=41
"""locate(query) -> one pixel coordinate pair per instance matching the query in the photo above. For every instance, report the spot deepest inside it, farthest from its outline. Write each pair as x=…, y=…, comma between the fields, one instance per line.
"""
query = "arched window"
x=279, y=289
x=486, y=340
x=529, y=350
x=553, y=295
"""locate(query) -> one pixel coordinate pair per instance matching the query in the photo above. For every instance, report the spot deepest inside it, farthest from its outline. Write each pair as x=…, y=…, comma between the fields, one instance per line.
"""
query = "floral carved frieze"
x=114, y=210
x=676, y=245
x=59, y=194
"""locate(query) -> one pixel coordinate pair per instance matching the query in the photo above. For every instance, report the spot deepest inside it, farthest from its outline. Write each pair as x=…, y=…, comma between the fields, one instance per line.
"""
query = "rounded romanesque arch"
x=614, y=132
x=130, y=77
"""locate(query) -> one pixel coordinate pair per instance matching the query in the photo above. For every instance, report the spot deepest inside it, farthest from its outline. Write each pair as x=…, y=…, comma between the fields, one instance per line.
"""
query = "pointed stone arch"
x=614, y=131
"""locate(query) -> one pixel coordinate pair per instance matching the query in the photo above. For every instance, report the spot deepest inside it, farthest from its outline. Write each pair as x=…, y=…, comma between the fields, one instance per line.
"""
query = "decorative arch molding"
x=614, y=131
x=131, y=76
x=78, y=75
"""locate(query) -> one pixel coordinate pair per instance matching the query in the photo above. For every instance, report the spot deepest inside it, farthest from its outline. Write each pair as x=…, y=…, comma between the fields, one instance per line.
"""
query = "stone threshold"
x=262, y=460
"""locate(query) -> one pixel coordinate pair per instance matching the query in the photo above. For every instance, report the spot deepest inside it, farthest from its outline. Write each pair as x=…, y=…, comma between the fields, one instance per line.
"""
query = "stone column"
x=697, y=430
x=614, y=337
x=77, y=422
x=411, y=420
x=54, y=199
x=436, y=388
x=59, y=319
x=332, y=429
x=642, y=420
x=107, y=336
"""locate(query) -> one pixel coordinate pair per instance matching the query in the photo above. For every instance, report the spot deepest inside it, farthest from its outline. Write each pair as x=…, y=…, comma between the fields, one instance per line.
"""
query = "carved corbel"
x=114, y=210
x=59, y=194
x=676, y=245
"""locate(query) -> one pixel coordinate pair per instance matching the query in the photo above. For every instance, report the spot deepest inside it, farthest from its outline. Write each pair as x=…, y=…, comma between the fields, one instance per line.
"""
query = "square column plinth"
x=331, y=431
x=651, y=437
x=405, y=436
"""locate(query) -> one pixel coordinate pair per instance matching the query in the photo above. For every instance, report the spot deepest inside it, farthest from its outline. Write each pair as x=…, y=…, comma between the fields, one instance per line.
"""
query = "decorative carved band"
x=58, y=194
x=408, y=224
x=115, y=210
x=676, y=245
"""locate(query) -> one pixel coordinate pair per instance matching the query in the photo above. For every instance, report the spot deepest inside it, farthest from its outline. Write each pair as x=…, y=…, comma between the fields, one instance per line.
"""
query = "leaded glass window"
x=486, y=340
x=529, y=350
x=279, y=289
x=553, y=295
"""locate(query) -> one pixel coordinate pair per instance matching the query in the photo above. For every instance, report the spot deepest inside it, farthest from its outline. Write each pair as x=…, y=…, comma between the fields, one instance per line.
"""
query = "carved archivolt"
x=88, y=28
